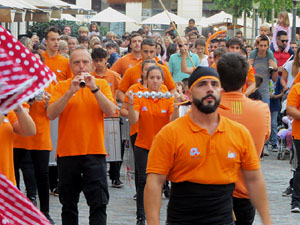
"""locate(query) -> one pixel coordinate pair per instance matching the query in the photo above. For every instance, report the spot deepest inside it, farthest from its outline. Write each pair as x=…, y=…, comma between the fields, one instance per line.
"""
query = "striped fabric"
x=15, y=208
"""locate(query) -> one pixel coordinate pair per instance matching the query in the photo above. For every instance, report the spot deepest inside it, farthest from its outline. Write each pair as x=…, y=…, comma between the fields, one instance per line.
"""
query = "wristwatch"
x=95, y=90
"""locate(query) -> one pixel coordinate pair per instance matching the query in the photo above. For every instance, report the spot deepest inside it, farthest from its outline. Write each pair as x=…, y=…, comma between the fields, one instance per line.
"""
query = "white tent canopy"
x=291, y=20
x=19, y=4
x=68, y=17
x=110, y=15
x=221, y=17
x=162, y=18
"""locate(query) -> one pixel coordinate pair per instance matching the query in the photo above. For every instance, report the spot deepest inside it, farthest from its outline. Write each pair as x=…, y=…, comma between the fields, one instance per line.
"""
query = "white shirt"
x=289, y=67
x=204, y=61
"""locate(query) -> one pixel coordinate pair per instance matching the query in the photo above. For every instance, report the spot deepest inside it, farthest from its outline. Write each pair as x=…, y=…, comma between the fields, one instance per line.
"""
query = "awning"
x=162, y=18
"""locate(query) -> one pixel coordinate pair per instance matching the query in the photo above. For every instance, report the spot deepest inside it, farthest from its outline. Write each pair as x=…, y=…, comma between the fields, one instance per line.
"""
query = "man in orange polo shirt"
x=132, y=58
x=80, y=148
x=55, y=61
x=133, y=74
x=292, y=109
x=254, y=115
x=201, y=153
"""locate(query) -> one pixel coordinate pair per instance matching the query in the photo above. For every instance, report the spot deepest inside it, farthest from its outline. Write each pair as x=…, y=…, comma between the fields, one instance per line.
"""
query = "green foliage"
x=40, y=28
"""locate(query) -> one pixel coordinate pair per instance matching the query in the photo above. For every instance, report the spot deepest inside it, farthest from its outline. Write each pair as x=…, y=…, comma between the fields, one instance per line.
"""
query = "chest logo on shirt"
x=59, y=71
x=6, y=120
x=194, y=152
x=231, y=155
x=144, y=108
x=110, y=84
x=163, y=111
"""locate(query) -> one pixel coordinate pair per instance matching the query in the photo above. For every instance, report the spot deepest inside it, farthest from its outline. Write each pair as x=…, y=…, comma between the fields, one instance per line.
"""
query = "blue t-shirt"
x=275, y=103
x=175, y=66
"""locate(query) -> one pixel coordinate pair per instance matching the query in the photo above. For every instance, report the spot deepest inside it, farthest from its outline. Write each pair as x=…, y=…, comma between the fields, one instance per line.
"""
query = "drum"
x=112, y=130
x=54, y=137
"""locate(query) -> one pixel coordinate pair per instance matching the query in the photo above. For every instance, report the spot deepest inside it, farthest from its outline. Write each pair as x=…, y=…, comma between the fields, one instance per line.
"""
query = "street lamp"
x=294, y=20
x=255, y=7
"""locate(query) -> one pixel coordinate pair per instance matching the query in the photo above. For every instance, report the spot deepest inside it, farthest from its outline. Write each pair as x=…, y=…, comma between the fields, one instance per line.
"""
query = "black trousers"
x=296, y=184
x=28, y=176
x=53, y=177
x=140, y=162
x=244, y=211
x=85, y=173
x=40, y=160
x=132, y=140
x=115, y=167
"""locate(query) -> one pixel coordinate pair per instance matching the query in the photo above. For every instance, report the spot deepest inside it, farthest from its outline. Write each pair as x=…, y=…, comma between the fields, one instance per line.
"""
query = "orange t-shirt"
x=184, y=151
x=293, y=99
x=42, y=139
x=136, y=88
x=250, y=78
x=297, y=79
x=59, y=65
x=6, y=140
x=153, y=115
x=81, y=124
x=113, y=79
x=125, y=62
x=133, y=76
x=255, y=116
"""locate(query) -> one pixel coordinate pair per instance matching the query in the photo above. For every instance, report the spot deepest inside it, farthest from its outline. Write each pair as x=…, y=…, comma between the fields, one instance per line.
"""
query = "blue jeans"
x=273, y=137
x=266, y=100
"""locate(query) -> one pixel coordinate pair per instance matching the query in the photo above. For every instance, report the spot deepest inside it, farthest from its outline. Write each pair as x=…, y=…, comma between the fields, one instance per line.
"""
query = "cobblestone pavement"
x=121, y=208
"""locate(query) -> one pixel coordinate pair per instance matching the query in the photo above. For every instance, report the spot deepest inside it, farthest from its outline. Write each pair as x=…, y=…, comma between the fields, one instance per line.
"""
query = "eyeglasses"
x=284, y=41
x=180, y=45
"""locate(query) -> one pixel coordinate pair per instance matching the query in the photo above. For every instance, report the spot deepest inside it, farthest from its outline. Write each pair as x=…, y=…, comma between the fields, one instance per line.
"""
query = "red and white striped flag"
x=22, y=74
x=15, y=208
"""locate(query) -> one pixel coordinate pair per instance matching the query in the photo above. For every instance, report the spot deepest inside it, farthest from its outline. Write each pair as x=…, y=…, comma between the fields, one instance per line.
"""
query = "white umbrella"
x=203, y=22
x=162, y=18
x=68, y=17
x=221, y=17
x=110, y=15
x=16, y=4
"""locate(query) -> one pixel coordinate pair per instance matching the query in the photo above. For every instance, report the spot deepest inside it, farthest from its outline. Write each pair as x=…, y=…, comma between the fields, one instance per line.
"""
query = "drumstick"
x=162, y=4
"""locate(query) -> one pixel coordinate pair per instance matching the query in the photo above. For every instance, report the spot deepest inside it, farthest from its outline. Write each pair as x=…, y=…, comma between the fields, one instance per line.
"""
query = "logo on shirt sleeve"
x=110, y=84
x=59, y=71
x=144, y=108
x=231, y=155
x=6, y=120
x=163, y=111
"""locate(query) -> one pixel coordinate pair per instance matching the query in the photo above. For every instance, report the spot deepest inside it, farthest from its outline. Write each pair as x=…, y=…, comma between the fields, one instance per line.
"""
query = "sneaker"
x=54, y=192
x=134, y=197
x=287, y=192
x=274, y=148
x=47, y=215
x=140, y=221
x=266, y=152
x=295, y=209
x=117, y=183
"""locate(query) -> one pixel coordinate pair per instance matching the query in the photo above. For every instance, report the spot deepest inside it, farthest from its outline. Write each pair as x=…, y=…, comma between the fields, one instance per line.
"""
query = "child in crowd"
x=256, y=94
x=94, y=30
x=283, y=23
x=276, y=92
x=112, y=49
x=63, y=48
x=264, y=29
x=200, y=50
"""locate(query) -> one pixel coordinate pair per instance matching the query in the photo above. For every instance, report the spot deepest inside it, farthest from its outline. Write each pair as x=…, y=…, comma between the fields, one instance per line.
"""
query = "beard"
x=209, y=107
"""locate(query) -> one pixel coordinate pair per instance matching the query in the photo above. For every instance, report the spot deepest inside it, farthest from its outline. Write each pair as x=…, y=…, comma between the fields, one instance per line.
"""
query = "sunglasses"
x=180, y=45
x=284, y=41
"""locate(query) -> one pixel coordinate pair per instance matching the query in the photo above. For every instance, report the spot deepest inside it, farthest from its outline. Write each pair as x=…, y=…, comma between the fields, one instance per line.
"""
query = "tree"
x=40, y=28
